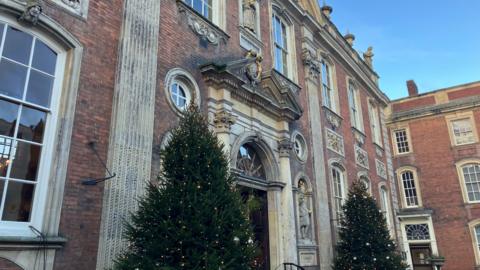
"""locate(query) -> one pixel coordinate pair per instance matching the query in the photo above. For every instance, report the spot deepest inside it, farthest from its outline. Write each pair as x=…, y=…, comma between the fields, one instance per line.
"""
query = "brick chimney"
x=412, y=88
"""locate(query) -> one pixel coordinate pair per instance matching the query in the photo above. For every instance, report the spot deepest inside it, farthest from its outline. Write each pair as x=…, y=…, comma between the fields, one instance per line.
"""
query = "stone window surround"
x=475, y=240
x=461, y=177
x=459, y=116
x=335, y=99
x=337, y=164
x=179, y=75
x=414, y=171
x=418, y=219
x=278, y=10
x=374, y=115
x=296, y=135
x=73, y=50
x=360, y=125
x=394, y=140
x=363, y=177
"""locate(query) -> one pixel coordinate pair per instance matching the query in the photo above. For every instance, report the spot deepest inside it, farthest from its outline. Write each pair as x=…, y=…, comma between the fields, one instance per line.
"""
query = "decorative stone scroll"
x=361, y=157
x=381, y=169
x=309, y=60
x=203, y=28
x=335, y=142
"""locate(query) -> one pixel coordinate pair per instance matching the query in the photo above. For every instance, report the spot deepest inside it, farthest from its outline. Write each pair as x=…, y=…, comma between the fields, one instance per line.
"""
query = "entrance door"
x=420, y=254
x=258, y=214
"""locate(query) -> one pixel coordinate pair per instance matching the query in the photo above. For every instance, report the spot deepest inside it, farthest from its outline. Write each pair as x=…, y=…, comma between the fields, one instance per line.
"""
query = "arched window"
x=250, y=163
x=471, y=179
x=409, y=189
x=475, y=234
x=31, y=71
x=339, y=190
x=366, y=183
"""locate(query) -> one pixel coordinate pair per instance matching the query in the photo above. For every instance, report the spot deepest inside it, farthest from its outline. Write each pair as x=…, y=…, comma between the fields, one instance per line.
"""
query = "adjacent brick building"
x=437, y=163
x=92, y=81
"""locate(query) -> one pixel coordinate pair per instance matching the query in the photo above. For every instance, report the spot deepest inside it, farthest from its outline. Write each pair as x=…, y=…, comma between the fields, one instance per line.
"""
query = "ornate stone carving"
x=381, y=169
x=335, y=142
x=379, y=150
x=361, y=157
x=254, y=69
x=224, y=120
x=359, y=136
x=285, y=146
x=333, y=119
x=204, y=29
x=250, y=15
x=368, y=57
x=32, y=11
x=75, y=4
x=311, y=62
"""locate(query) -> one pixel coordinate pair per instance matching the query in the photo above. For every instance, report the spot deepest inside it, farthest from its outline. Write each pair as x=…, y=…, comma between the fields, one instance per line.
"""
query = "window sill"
x=19, y=242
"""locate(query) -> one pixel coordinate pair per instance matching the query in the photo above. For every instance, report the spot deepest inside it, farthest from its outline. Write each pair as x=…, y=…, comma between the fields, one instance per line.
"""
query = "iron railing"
x=292, y=266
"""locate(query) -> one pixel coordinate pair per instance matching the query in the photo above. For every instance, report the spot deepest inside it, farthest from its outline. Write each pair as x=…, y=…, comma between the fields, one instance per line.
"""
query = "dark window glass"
x=6, y=147
x=18, y=45
x=18, y=203
x=44, y=58
x=8, y=117
x=39, y=88
x=32, y=125
x=12, y=79
x=25, y=164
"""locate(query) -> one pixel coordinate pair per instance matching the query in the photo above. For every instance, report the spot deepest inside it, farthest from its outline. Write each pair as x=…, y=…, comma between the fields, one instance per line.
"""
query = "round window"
x=300, y=147
x=180, y=95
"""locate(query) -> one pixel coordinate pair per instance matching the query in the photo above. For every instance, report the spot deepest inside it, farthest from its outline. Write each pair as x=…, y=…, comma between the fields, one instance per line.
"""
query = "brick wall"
x=8, y=265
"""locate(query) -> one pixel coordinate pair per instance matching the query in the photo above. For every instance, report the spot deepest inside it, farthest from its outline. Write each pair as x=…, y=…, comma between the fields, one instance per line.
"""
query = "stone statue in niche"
x=250, y=15
x=304, y=213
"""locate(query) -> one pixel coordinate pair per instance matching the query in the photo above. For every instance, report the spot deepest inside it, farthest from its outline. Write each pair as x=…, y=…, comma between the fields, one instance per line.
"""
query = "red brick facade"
x=434, y=155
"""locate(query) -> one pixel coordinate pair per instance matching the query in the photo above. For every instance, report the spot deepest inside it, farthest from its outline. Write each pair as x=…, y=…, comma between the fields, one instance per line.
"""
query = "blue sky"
x=434, y=42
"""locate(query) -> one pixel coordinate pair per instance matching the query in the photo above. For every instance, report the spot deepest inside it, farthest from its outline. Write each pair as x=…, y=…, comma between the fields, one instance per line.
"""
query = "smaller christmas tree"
x=365, y=242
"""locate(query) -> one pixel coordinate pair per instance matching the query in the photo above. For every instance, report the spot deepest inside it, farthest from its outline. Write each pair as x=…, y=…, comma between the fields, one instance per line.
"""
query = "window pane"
x=44, y=58
x=32, y=125
x=197, y=5
x=8, y=117
x=18, y=202
x=6, y=147
x=17, y=45
x=39, y=88
x=12, y=79
x=25, y=164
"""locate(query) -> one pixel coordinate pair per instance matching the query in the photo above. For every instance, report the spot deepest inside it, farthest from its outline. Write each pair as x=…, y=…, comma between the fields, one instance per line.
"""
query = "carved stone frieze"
x=32, y=11
x=75, y=4
x=381, y=169
x=224, y=120
x=200, y=26
x=359, y=136
x=361, y=157
x=311, y=62
x=333, y=119
x=335, y=142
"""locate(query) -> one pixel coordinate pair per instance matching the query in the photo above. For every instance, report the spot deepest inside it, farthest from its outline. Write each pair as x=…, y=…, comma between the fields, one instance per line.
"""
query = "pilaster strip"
x=131, y=136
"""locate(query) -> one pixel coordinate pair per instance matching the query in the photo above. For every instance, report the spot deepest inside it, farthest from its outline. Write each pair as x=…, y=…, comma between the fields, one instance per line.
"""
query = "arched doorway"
x=252, y=182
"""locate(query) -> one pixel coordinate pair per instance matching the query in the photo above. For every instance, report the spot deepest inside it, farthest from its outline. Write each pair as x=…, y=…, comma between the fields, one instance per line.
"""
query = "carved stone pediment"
x=273, y=94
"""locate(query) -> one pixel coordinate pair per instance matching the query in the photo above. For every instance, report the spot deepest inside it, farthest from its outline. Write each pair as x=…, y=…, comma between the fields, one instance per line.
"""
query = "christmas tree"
x=194, y=218
x=365, y=242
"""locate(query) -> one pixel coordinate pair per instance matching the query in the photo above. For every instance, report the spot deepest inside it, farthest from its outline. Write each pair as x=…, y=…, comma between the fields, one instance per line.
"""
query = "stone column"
x=131, y=136
x=223, y=121
x=288, y=213
x=274, y=197
x=322, y=215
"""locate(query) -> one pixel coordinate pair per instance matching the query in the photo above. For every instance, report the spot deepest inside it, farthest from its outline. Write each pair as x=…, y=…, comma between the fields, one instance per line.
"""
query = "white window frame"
x=276, y=11
x=460, y=165
x=416, y=182
x=385, y=206
x=10, y=228
x=354, y=105
x=375, y=124
x=298, y=138
x=328, y=89
x=473, y=226
x=187, y=81
x=395, y=142
x=218, y=12
x=457, y=117
x=337, y=188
